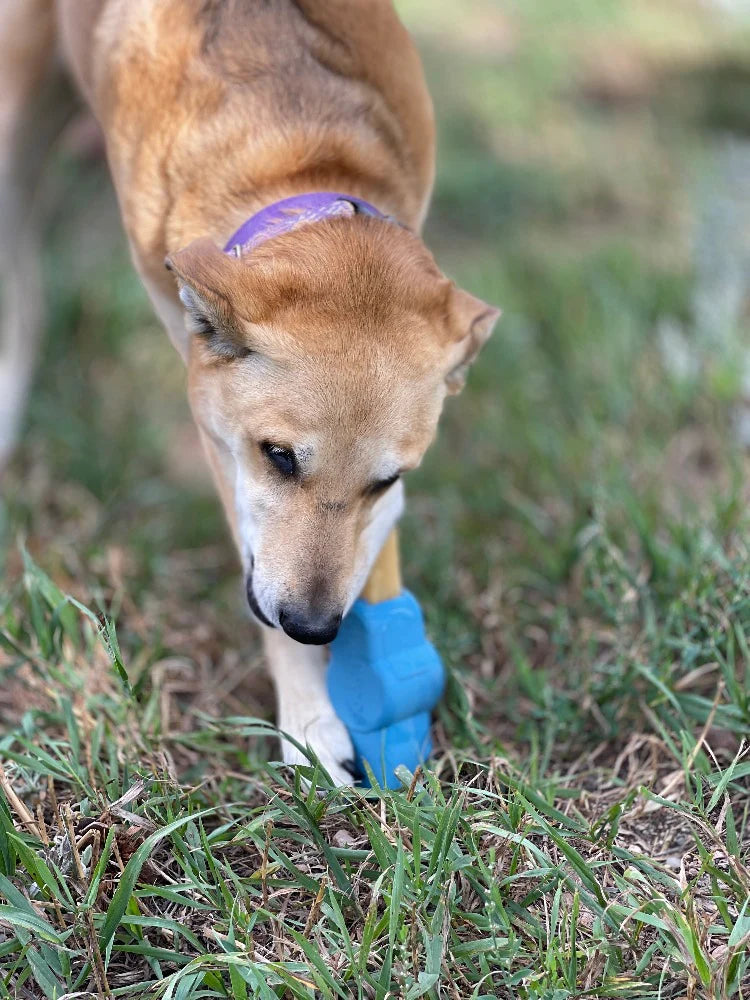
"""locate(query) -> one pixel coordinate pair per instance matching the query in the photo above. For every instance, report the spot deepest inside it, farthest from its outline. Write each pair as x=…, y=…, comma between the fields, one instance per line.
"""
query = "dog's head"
x=318, y=367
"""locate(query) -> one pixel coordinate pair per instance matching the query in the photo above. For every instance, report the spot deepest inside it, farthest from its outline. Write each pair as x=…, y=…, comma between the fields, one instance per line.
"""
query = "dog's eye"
x=281, y=458
x=382, y=485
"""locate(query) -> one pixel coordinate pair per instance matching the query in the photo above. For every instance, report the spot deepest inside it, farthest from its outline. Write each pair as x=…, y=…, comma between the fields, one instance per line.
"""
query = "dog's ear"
x=209, y=281
x=470, y=323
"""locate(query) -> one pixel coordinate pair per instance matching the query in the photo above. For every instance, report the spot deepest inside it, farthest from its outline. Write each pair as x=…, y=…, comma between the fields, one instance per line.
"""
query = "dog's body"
x=318, y=363
x=212, y=110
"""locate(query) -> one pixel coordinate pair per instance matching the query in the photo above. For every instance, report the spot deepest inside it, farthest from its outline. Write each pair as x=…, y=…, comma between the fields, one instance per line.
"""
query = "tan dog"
x=318, y=362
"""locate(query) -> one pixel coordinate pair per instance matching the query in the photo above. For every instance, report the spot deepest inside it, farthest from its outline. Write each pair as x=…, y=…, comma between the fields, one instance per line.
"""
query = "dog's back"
x=238, y=92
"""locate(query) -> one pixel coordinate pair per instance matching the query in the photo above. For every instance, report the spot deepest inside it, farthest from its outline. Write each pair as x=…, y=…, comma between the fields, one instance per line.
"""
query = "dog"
x=273, y=162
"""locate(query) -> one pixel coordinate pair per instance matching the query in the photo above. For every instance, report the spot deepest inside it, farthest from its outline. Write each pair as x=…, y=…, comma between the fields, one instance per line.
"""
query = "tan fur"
x=337, y=341
x=213, y=109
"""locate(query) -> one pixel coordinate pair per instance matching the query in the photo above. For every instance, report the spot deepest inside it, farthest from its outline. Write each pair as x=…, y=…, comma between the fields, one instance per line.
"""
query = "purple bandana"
x=301, y=210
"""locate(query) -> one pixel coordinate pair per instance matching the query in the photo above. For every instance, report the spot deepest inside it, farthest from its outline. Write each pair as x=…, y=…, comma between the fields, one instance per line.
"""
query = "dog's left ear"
x=471, y=322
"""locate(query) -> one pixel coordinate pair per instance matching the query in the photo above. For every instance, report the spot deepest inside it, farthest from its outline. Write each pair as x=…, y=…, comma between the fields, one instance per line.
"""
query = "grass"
x=578, y=537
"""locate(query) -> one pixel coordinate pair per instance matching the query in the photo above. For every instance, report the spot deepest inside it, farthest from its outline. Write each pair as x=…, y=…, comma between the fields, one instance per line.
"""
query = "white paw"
x=323, y=732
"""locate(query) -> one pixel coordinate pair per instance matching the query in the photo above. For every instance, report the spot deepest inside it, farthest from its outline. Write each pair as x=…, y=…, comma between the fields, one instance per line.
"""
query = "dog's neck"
x=289, y=213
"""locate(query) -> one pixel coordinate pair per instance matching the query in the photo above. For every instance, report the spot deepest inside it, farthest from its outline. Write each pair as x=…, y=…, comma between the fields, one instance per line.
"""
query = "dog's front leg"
x=304, y=709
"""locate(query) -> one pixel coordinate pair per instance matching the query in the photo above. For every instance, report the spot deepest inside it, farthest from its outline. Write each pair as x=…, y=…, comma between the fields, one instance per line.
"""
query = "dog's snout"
x=253, y=602
x=313, y=630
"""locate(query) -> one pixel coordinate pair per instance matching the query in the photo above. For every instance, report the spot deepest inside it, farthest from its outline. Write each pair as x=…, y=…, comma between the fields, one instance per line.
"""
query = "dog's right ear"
x=208, y=280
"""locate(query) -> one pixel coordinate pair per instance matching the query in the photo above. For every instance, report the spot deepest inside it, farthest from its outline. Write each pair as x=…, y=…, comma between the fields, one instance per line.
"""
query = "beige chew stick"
x=384, y=581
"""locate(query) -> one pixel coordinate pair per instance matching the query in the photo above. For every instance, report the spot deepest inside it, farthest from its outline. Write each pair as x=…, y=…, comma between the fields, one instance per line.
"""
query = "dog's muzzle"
x=310, y=626
x=253, y=603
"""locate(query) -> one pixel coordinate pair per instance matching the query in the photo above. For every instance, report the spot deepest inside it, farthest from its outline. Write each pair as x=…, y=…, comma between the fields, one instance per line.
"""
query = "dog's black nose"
x=313, y=631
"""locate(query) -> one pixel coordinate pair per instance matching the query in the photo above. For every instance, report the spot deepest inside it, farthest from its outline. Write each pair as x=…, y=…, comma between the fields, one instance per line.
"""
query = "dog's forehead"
x=377, y=404
x=377, y=391
x=357, y=376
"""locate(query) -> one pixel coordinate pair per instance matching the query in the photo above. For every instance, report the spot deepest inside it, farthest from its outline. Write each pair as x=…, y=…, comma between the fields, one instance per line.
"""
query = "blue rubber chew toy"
x=385, y=677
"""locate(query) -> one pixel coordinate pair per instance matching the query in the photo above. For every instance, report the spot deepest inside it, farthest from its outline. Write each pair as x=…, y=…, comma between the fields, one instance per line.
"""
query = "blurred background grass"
x=583, y=506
